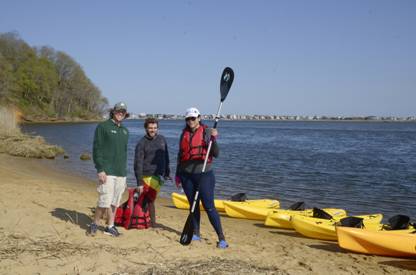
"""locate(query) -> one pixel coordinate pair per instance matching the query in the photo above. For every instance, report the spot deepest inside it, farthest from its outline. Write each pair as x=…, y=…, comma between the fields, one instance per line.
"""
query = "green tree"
x=44, y=82
x=6, y=81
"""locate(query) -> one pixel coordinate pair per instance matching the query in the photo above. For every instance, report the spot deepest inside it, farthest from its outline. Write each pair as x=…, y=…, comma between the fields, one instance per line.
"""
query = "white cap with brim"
x=192, y=112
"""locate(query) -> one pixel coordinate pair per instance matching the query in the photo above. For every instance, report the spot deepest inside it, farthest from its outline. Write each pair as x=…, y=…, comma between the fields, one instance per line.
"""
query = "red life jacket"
x=194, y=147
x=134, y=213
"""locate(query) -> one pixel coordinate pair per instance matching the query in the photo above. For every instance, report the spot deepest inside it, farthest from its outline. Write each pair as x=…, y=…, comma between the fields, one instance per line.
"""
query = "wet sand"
x=45, y=212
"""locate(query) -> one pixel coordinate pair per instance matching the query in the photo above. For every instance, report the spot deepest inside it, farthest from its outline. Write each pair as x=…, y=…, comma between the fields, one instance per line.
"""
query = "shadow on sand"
x=172, y=207
x=327, y=246
x=83, y=220
x=75, y=217
x=403, y=264
x=290, y=233
x=167, y=228
x=261, y=225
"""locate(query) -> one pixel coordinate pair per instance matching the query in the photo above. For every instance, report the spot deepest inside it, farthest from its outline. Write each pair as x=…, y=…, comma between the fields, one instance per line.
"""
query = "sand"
x=45, y=212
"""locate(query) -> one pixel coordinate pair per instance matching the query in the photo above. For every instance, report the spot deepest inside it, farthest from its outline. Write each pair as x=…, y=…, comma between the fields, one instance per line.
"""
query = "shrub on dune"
x=15, y=143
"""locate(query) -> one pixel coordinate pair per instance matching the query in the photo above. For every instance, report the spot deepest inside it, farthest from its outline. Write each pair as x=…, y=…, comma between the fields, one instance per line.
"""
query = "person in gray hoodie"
x=151, y=164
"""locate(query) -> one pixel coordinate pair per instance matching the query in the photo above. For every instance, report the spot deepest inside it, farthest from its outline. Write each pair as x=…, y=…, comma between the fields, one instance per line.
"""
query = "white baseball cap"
x=192, y=112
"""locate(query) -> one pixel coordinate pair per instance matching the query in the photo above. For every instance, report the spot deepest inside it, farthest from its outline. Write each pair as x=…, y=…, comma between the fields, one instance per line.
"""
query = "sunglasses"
x=190, y=118
x=121, y=112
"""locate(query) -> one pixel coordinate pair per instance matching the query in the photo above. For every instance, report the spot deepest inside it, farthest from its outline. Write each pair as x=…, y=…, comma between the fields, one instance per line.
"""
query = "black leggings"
x=206, y=183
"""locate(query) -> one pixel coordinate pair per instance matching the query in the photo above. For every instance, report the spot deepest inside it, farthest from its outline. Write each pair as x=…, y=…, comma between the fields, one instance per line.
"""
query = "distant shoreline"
x=257, y=117
x=283, y=118
x=226, y=119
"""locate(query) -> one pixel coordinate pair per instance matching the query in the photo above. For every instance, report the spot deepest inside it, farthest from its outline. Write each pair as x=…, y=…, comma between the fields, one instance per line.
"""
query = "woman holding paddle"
x=194, y=175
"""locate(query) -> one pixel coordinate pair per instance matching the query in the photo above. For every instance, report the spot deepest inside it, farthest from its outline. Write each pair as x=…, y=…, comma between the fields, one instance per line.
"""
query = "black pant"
x=206, y=183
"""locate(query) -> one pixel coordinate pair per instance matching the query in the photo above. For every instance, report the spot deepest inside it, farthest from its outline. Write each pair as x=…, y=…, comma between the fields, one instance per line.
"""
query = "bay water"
x=363, y=167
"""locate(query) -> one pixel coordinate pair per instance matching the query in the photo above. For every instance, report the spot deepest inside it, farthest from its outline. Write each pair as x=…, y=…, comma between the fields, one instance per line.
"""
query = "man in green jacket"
x=110, y=159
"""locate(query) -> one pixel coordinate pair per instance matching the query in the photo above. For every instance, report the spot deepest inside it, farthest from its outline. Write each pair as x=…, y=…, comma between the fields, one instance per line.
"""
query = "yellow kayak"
x=253, y=210
x=325, y=229
x=395, y=243
x=180, y=201
x=281, y=218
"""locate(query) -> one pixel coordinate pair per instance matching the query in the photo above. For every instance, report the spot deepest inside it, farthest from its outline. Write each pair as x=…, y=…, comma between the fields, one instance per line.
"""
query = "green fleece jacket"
x=110, y=148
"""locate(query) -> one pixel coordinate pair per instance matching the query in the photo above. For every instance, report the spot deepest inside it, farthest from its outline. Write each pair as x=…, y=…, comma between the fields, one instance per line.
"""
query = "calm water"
x=359, y=166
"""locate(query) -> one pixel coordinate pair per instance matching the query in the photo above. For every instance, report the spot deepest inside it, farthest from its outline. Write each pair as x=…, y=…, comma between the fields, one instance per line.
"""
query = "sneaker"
x=196, y=238
x=112, y=231
x=93, y=229
x=222, y=244
x=115, y=228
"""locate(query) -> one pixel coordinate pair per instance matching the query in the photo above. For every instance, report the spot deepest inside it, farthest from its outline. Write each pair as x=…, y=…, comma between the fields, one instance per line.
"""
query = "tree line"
x=44, y=83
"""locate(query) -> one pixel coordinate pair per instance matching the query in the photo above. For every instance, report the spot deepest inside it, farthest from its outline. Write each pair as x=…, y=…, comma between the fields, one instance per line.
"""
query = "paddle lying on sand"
x=227, y=78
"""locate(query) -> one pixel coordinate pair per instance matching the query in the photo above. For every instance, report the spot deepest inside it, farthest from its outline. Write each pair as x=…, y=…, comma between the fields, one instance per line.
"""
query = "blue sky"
x=289, y=57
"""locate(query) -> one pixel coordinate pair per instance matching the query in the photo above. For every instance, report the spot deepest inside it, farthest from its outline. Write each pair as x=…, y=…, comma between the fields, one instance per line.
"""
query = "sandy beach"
x=45, y=212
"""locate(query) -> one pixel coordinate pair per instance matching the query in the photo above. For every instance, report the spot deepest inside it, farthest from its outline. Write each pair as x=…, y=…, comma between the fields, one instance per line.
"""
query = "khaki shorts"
x=111, y=191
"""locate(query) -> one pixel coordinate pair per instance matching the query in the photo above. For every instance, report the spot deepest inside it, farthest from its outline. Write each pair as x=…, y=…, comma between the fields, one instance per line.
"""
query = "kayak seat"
x=321, y=214
x=351, y=222
x=297, y=206
x=239, y=197
x=397, y=222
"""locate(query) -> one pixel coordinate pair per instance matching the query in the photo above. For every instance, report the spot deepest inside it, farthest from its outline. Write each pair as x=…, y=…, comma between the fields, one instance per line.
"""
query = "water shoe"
x=222, y=244
x=196, y=238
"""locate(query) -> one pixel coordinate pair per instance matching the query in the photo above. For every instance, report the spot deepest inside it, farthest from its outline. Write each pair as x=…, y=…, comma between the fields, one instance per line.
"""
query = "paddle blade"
x=227, y=78
x=188, y=231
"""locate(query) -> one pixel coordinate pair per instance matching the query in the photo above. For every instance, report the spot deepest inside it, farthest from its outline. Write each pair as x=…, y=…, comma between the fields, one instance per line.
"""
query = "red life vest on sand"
x=134, y=213
x=194, y=147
